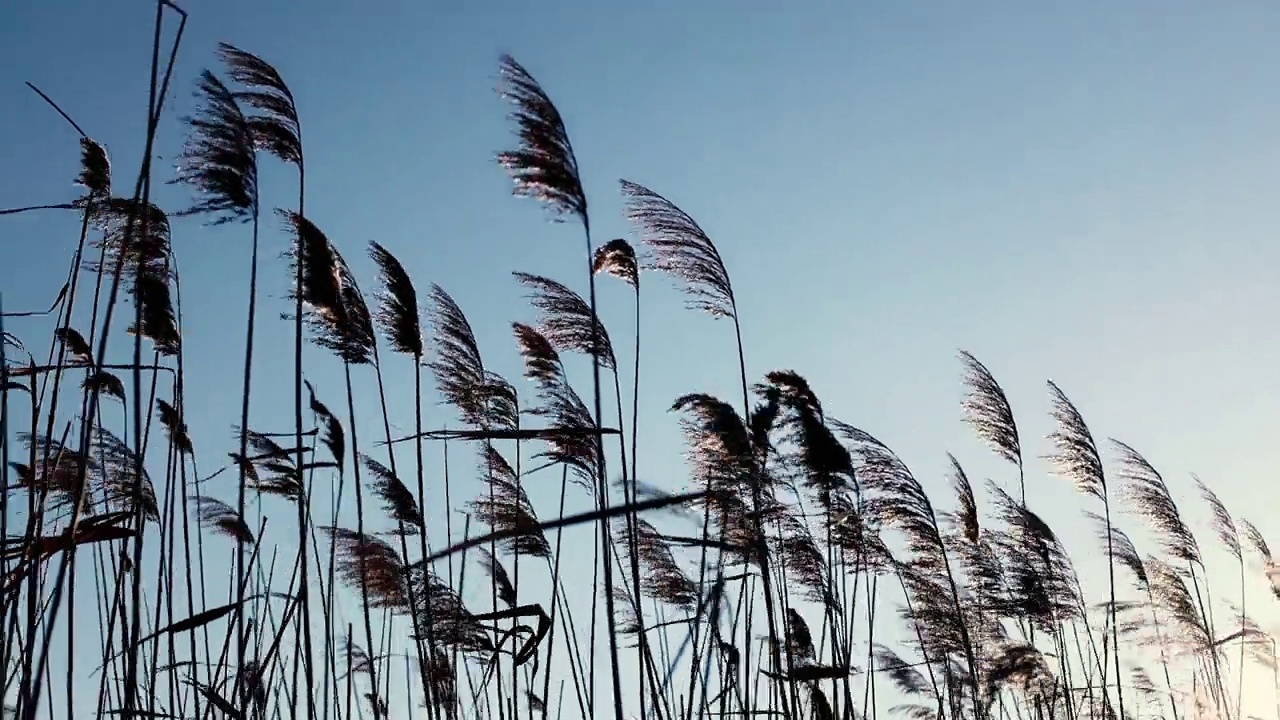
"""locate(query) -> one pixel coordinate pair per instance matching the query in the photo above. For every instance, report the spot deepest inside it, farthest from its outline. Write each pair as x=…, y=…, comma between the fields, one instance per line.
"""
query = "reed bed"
x=335, y=568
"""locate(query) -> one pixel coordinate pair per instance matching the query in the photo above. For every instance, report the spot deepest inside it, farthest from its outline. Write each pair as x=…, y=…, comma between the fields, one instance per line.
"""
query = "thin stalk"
x=428, y=687
x=28, y=696
x=602, y=484
x=418, y=632
x=1115, y=632
x=762, y=553
x=364, y=584
x=304, y=502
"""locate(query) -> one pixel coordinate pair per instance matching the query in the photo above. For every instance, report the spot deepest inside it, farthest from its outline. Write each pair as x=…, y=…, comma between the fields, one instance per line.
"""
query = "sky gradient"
x=1083, y=193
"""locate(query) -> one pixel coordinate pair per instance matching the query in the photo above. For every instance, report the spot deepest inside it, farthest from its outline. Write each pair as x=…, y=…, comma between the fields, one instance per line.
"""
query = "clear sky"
x=1077, y=191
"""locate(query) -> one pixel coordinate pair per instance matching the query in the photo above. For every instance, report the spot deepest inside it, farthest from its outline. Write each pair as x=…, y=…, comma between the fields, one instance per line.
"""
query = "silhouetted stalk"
x=304, y=502
x=1164, y=659
x=1243, y=640
x=595, y=606
x=29, y=697
x=4, y=487
x=553, y=565
x=35, y=517
x=364, y=584
x=350, y=675
x=916, y=627
x=428, y=689
x=789, y=709
x=330, y=653
x=419, y=633
x=869, y=691
x=1111, y=587
x=602, y=485
x=241, y=570
x=1206, y=614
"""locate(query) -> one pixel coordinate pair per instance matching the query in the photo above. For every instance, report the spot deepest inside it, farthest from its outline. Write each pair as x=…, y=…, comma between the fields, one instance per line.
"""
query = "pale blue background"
x=1080, y=191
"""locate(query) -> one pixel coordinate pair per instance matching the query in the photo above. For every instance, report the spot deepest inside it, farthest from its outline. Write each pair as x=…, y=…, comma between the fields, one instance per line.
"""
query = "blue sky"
x=1080, y=192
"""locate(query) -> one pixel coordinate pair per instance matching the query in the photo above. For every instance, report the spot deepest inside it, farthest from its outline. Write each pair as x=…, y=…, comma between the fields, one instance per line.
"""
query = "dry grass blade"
x=1076, y=456
x=536, y=636
x=617, y=258
x=199, y=619
x=92, y=529
x=501, y=580
x=988, y=412
x=567, y=320
x=333, y=436
x=224, y=706
x=223, y=519
x=570, y=520
x=550, y=434
x=397, y=311
x=276, y=128
x=219, y=160
x=681, y=248
x=400, y=503
x=543, y=166
x=811, y=673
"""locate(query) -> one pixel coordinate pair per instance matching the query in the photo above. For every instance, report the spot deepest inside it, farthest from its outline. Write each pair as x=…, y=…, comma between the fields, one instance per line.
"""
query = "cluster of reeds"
x=768, y=603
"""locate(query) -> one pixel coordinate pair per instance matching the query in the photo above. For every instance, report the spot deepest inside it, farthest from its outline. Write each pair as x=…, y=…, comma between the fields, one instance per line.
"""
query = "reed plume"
x=397, y=312
x=618, y=258
x=681, y=249
x=567, y=320
x=275, y=127
x=544, y=166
